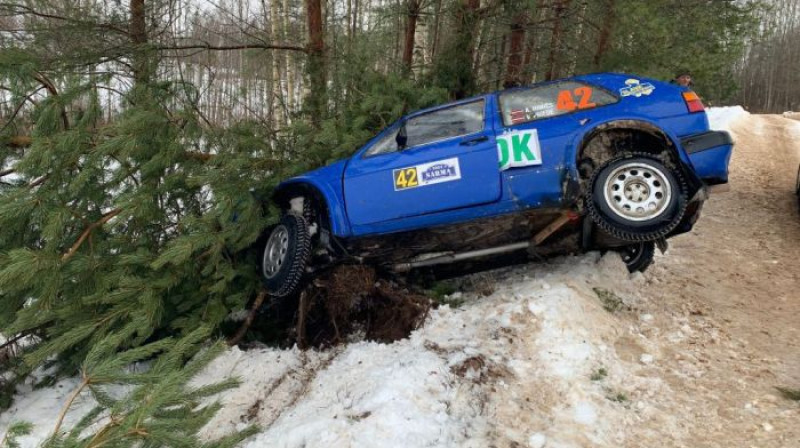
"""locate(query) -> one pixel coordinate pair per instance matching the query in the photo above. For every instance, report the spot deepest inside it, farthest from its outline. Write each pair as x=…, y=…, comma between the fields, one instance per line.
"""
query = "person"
x=683, y=78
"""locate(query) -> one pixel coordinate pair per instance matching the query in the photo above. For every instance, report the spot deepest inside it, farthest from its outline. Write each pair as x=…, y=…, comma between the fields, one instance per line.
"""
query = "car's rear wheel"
x=635, y=197
x=638, y=257
x=285, y=256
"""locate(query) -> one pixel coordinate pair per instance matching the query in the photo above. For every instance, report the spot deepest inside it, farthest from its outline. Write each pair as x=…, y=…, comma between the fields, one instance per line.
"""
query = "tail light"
x=693, y=102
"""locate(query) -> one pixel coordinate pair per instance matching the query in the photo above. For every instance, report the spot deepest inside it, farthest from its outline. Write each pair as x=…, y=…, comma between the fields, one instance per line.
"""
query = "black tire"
x=638, y=257
x=636, y=175
x=283, y=265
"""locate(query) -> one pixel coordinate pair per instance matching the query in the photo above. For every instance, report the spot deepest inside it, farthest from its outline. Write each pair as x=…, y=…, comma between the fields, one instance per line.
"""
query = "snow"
x=722, y=118
x=41, y=407
x=514, y=367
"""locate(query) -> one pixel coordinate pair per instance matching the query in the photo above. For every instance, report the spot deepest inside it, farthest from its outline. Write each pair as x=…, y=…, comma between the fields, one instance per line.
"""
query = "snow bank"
x=722, y=118
x=516, y=368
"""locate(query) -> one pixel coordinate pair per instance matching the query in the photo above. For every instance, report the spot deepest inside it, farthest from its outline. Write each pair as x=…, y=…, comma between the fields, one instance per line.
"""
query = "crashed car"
x=594, y=162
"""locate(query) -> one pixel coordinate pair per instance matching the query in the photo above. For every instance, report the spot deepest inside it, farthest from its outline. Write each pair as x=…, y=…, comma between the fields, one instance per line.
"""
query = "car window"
x=551, y=100
x=455, y=121
x=386, y=144
x=463, y=119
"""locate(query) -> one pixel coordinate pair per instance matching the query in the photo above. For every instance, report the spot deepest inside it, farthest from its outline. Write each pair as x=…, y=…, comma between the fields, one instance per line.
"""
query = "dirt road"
x=737, y=279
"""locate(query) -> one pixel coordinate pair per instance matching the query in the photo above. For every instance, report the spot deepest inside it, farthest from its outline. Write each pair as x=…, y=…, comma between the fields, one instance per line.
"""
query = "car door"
x=449, y=161
x=543, y=119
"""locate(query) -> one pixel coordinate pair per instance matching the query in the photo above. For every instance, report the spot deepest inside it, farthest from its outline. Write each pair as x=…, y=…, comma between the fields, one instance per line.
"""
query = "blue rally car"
x=601, y=161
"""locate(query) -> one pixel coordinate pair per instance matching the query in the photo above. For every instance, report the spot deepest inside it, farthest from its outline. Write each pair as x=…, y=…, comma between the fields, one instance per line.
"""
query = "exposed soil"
x=737, y=276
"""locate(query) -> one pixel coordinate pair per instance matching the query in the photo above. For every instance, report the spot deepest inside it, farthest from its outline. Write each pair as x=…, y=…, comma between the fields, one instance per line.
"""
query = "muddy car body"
x=602, y=161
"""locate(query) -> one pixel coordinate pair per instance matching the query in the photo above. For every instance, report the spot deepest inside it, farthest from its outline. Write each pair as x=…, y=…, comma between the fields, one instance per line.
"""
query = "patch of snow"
x=722, y=118
x=537, y=440
x=41, y=407
x=513, y=368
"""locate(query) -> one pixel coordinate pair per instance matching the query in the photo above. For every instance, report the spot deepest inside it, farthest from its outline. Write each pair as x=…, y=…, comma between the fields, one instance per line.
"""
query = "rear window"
x=551, y=100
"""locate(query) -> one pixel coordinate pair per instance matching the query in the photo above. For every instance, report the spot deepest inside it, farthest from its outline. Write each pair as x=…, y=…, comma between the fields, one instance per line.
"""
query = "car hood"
x=329, y=174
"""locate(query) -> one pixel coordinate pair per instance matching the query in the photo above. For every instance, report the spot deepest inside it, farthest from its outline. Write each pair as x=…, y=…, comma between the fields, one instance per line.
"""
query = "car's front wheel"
x=635, y=197
x=286, y=255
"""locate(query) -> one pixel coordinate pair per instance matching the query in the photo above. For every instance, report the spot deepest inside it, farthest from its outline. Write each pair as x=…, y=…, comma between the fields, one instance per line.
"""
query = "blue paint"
x=363, y=200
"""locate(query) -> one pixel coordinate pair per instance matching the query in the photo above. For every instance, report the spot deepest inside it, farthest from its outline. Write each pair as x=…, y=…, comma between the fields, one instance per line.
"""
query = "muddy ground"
x=737, y=276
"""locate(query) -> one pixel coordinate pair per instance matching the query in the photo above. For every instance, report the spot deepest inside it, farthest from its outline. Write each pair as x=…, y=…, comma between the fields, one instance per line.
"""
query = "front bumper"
x=710, y=153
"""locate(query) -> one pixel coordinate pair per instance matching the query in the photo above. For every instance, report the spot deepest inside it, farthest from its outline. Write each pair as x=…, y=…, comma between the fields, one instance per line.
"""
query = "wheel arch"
x=599, y=144
x=330, y=208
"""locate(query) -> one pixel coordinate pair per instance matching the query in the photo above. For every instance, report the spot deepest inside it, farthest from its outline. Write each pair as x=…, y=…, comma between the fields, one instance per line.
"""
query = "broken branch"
x=107, y=217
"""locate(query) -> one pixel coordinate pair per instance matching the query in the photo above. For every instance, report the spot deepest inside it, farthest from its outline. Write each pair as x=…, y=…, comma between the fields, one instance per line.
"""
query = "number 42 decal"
x=405, y=178
x=566, y=101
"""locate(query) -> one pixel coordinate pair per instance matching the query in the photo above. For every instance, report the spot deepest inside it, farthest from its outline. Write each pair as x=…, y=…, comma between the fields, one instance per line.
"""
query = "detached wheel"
x=638, y=257
x=636, y=198
x=285, y=256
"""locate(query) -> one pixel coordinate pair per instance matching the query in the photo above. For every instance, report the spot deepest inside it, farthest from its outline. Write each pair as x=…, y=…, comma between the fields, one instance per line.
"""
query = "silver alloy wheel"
x=637, y=191
x=275, y=251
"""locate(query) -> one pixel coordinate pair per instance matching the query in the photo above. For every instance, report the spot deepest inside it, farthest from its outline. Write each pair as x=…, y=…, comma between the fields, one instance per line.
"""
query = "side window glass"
x=455, y=121
x=551, y=100
x=385, y=145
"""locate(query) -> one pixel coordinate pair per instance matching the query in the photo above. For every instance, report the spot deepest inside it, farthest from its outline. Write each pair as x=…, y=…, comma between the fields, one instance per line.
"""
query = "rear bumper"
x=710, y=153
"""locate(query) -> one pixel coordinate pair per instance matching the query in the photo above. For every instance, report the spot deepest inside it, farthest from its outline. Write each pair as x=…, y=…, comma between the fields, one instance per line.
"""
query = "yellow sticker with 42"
x=405, y=178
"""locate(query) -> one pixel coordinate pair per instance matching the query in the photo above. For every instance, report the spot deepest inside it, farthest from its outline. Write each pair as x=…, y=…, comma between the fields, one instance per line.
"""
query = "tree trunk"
x=316, y=61
x=288, y=61
x=459, y=77
x=514, y=66
x=559, y=11
x=530, y=63
x=277, y=88
x=138, y=35
x=411, y=29
x=606, y=30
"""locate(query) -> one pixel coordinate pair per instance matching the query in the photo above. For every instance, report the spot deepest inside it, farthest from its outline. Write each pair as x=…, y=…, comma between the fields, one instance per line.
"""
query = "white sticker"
x=633, y=87
x=517, y=149
x=426, y=174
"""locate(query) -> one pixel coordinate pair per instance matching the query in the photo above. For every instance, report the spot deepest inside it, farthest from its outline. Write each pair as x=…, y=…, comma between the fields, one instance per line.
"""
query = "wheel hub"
x=637, y=192
x=275, y=251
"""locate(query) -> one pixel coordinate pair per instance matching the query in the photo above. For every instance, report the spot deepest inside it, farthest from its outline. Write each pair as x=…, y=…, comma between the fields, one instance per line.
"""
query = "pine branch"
x=68, y=404
x=51, y=89
x=7, y=172
x=19, y=141
x=107, y=217
x=17, y=8
x=249, y=320
x=38, y=181
x=208, y=46
x=201, y=156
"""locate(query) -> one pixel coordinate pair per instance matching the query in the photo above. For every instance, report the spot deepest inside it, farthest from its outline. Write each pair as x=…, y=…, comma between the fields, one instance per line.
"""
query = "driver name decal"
x=520, y=148
x=426, y=174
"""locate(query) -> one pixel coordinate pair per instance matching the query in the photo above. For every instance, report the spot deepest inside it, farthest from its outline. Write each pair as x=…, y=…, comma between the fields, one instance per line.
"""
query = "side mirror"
x=401, y=139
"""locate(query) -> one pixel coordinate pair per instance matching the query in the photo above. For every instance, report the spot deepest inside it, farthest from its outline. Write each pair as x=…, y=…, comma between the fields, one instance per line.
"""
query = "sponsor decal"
x=426, y=174
x=517, y=149
x=634, y=87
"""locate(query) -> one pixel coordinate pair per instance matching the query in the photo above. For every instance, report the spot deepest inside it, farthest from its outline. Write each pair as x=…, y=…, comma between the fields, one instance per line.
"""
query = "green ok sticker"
x=518, y=149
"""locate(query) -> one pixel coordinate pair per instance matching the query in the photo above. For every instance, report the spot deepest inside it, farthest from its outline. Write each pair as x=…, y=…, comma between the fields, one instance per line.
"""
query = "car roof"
x=589, y=77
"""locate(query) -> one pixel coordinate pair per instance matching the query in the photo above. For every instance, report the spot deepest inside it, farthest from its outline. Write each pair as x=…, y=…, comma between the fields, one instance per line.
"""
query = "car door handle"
x=474, y=141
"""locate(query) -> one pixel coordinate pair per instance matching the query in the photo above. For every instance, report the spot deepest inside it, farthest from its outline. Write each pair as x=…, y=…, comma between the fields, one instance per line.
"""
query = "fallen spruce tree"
x=123, y=237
